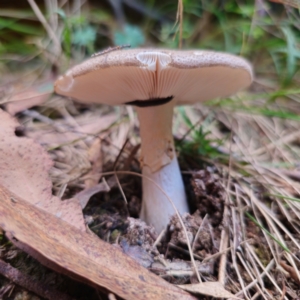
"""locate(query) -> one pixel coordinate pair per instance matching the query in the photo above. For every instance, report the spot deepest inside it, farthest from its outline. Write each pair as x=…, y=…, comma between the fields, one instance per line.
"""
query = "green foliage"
x=285, y=197
x=286, y=54
x=17, y=37
x=84, y=36
x=130, y=35
x=260, y=32
x=264, y=32
x=77, y=33
x=197, y=143
x=12, y=24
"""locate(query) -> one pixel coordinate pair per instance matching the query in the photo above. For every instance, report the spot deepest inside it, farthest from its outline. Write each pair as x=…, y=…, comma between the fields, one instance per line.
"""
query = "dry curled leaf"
x=31, y=96
x=24, y=166
x=81, y=254
x=85, y=195
x=213, y=289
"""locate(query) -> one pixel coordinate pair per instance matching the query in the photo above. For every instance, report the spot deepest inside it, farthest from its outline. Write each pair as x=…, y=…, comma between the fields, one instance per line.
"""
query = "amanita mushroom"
x=155, y=81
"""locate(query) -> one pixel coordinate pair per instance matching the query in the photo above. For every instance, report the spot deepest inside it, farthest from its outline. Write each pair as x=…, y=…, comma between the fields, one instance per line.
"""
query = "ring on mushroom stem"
x=159, y=79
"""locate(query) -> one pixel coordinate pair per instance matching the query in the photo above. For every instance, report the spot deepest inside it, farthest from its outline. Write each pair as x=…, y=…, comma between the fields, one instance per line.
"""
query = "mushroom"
x=155, y=80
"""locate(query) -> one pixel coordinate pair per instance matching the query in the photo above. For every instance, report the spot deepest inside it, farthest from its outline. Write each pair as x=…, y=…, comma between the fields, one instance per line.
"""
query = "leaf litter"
x=204, y=227
x=251, y=253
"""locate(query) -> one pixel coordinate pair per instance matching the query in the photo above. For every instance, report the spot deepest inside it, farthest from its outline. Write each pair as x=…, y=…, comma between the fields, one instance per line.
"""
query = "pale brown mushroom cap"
x=124, y=76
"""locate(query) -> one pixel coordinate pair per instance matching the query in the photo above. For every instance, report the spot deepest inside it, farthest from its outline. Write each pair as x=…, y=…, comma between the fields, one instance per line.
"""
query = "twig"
x=121, y=189
x=159, y=238
x=224, y=234
x=183, y=251
x=223, y=259
x=198, y=232
x=116, y=176
x=179, y=19
x=240, y=278
x=30, y=284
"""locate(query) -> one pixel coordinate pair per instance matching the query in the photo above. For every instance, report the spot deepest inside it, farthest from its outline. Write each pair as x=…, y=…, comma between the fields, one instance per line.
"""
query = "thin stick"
x=198, y=232
x=116, y=176
x=30, y=284
x=110, y=49
x=224, y=234
x=44, y=22
x=120, y=188
x=250, y=273
x=159, y=238
x=179, y=18
x=265, y=270
x=223, y=258
x=183, y=251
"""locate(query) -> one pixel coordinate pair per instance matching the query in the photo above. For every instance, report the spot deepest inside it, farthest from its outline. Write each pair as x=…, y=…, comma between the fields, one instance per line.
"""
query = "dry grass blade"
x=48, y=28
x=72, y=145
x=198, y=232
x=240, y=277
x=223, y=246
x=251, y=275
x=265, y=179
x=254, y=282
x=179, y=21
x=96, y=160
x=265, y=270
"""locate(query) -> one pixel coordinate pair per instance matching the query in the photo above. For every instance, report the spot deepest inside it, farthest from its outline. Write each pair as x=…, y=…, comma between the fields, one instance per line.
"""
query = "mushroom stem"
x=159, y=163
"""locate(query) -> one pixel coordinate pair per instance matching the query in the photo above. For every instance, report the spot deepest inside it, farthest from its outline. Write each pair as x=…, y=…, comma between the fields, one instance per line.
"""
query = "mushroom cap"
x=137, y=75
